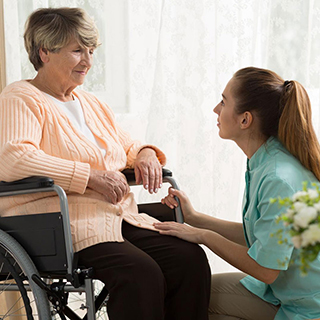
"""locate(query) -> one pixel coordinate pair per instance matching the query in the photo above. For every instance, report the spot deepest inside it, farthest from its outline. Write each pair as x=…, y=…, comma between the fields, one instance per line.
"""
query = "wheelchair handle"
x=130, y=176
x=166, y=177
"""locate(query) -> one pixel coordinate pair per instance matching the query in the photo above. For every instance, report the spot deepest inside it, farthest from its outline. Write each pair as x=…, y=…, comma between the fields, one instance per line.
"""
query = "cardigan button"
x=118, y=214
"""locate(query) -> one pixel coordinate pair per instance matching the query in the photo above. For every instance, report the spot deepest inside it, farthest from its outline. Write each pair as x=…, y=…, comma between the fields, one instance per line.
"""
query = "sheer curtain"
x=164, y=64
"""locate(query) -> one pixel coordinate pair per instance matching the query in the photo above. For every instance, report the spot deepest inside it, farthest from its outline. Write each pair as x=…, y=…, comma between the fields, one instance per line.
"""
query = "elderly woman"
x=50, y=128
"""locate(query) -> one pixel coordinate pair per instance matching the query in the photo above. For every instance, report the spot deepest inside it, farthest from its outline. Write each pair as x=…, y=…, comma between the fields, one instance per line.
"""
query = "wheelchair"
x=37, y=263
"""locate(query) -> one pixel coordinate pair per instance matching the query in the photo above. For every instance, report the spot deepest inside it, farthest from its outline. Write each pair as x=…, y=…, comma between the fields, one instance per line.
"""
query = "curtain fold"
x=2, y=50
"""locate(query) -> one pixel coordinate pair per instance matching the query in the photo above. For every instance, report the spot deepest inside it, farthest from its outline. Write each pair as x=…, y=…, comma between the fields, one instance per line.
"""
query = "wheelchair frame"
x=38, y=267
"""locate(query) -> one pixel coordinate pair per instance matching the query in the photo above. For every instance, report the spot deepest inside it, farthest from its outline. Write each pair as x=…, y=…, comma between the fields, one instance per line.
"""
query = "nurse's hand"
x=112, y=184
x=181, y=231
x=148, y=170
x=189, y=214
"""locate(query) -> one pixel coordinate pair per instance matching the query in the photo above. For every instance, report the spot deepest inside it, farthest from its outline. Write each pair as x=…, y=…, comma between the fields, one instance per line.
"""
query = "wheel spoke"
x=9, y=312
x=26, y=300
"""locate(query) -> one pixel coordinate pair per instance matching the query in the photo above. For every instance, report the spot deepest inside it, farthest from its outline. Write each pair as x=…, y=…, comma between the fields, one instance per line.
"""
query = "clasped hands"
x=113, y=184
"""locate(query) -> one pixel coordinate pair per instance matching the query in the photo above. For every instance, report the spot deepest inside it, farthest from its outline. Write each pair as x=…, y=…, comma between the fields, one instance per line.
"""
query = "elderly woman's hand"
x=113, y=185
x=148, y=170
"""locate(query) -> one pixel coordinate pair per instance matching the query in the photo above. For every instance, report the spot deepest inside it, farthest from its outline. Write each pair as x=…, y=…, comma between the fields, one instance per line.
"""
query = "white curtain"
x=164, y=64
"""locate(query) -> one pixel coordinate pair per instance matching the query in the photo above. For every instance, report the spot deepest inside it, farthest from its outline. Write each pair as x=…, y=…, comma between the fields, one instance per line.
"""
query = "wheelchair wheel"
x=20, y=297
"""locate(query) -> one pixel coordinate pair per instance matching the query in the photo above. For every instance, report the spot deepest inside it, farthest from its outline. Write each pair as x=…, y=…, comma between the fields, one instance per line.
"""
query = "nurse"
x=270, y=120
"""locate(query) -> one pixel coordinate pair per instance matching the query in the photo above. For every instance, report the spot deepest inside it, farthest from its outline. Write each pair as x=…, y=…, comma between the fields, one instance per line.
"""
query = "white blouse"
x=73, y=110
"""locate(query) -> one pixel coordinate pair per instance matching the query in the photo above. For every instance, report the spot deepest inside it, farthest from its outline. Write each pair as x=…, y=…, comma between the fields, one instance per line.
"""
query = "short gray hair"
x=53, y=28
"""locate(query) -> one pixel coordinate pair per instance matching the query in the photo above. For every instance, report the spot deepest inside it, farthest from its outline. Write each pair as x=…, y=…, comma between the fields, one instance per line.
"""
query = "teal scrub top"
x=271, y=172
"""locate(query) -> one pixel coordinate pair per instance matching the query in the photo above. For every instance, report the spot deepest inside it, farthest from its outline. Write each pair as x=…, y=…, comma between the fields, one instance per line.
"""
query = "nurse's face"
x=228, y=120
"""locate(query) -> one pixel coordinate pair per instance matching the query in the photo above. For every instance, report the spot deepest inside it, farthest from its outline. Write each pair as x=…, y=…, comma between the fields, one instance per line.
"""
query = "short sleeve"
x=266, y=250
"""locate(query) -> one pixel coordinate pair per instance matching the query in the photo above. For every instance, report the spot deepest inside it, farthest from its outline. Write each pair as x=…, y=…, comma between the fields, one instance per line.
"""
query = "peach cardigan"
x=37, y=138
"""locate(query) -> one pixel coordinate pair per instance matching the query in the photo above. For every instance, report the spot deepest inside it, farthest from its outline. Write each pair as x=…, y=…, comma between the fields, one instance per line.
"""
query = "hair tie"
x=286, y=82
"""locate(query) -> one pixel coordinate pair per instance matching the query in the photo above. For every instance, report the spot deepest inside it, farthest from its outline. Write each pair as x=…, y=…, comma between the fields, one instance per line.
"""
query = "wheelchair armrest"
x=34, y=182
x=129, y=173
x=167, y=177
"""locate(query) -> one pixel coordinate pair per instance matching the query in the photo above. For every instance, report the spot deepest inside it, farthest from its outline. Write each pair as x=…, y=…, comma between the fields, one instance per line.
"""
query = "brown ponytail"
x=295, y=127
x=283, y=110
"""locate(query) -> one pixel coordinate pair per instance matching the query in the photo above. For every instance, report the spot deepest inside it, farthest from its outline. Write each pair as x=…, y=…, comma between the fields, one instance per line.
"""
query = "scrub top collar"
x=271, y=146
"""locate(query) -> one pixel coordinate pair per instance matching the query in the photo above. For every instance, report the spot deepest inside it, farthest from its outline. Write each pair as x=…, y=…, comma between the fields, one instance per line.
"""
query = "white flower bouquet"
x=302, y=221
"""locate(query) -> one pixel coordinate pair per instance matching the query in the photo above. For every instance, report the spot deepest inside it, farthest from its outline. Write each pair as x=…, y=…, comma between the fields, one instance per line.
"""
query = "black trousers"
x=151, y=276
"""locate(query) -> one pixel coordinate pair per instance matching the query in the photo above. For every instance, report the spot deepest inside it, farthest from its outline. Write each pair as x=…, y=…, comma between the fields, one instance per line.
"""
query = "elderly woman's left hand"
x=148, y=170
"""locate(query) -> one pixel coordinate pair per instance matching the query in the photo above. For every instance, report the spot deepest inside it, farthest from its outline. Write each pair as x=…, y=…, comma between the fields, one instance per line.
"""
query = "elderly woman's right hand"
x=113, y=185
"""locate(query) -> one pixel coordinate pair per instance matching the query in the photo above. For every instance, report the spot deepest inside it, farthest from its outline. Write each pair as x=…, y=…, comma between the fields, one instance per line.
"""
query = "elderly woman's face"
x=70, y=65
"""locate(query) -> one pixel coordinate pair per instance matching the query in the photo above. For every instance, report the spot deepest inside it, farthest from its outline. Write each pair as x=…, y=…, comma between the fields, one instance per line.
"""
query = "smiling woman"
x=62, y=58
x=109, y=76
x=50, y=127
x=68, y=66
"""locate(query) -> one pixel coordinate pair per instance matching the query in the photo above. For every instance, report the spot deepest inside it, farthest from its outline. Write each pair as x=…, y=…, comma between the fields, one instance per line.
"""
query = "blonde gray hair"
x=53, y=28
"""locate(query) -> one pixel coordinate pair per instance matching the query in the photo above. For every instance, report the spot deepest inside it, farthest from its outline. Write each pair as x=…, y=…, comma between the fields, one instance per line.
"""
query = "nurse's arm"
x=228, y=229
x=232, y=252
x=237, y=256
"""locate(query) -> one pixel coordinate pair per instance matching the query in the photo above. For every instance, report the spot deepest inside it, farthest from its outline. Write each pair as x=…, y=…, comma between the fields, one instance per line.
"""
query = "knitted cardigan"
x=37, y=138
